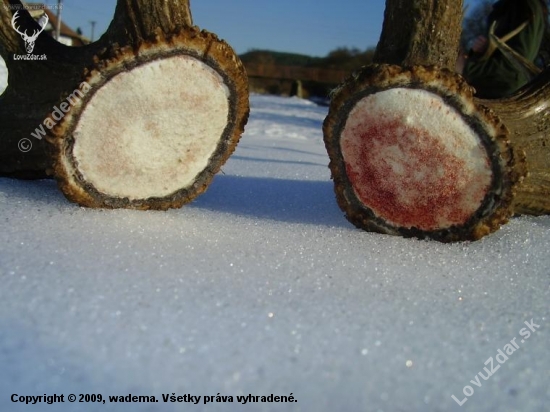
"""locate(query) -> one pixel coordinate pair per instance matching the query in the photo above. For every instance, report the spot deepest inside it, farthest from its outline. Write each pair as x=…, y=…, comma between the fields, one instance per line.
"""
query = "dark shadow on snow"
x=38, y=192
x=289, y=119
x=281, y=200
x=248, y=146
x=291, y=162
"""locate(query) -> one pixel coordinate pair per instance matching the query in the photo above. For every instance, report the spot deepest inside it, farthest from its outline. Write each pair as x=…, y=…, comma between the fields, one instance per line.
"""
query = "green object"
x=497, y=75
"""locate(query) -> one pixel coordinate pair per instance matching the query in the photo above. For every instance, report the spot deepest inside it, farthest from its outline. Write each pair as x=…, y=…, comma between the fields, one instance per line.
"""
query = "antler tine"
x=13, y=19
x=45, y=21
x=37, y=32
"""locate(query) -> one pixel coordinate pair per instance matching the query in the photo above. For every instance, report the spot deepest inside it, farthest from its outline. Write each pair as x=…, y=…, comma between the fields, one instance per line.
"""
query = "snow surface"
x=261, y=286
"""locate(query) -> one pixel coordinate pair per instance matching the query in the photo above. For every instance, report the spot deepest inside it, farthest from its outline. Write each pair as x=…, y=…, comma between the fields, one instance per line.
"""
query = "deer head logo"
x=29, y=40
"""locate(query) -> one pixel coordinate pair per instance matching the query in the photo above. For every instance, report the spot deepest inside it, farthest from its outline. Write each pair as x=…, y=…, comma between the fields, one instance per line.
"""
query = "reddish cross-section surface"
x=415, y=164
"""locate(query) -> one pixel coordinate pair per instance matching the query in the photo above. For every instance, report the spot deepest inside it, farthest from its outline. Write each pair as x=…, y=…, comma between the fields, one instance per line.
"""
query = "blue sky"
x=312, y=27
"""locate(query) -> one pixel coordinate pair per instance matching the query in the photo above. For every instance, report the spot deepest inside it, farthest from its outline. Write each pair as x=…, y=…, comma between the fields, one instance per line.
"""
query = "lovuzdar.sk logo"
x=29, y=39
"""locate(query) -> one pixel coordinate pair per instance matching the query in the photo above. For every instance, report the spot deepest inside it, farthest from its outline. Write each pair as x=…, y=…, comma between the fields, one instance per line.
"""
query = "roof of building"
x=37, y=9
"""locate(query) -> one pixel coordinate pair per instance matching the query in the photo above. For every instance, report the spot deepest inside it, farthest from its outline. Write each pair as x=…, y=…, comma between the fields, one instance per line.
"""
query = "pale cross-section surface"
x=147, y=134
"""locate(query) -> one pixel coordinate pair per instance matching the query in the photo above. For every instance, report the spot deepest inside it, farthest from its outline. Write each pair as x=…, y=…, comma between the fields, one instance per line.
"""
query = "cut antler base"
x=155, y=125
x=143, y=118
x=411, y=154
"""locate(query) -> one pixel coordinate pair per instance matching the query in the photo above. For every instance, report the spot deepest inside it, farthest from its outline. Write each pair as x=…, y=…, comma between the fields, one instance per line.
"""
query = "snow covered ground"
x=262, y=287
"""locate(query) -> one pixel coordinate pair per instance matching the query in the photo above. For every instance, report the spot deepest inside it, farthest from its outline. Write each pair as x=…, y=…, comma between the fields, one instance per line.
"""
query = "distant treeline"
x=317, y=74
x=342, y=58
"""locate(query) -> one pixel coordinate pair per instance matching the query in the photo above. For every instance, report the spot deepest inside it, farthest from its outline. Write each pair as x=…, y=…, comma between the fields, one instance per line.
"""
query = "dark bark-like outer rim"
x=508, y=166
x=190, y=41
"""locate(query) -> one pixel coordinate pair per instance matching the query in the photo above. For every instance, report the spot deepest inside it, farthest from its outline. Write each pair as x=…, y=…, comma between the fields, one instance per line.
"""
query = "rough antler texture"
x=527, y=116
x=413, y=153
x=420, y=32
x=142, y=118
x=428, y=34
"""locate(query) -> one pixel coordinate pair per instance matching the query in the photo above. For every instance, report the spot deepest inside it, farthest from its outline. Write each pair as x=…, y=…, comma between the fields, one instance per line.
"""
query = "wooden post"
x=297, y=89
